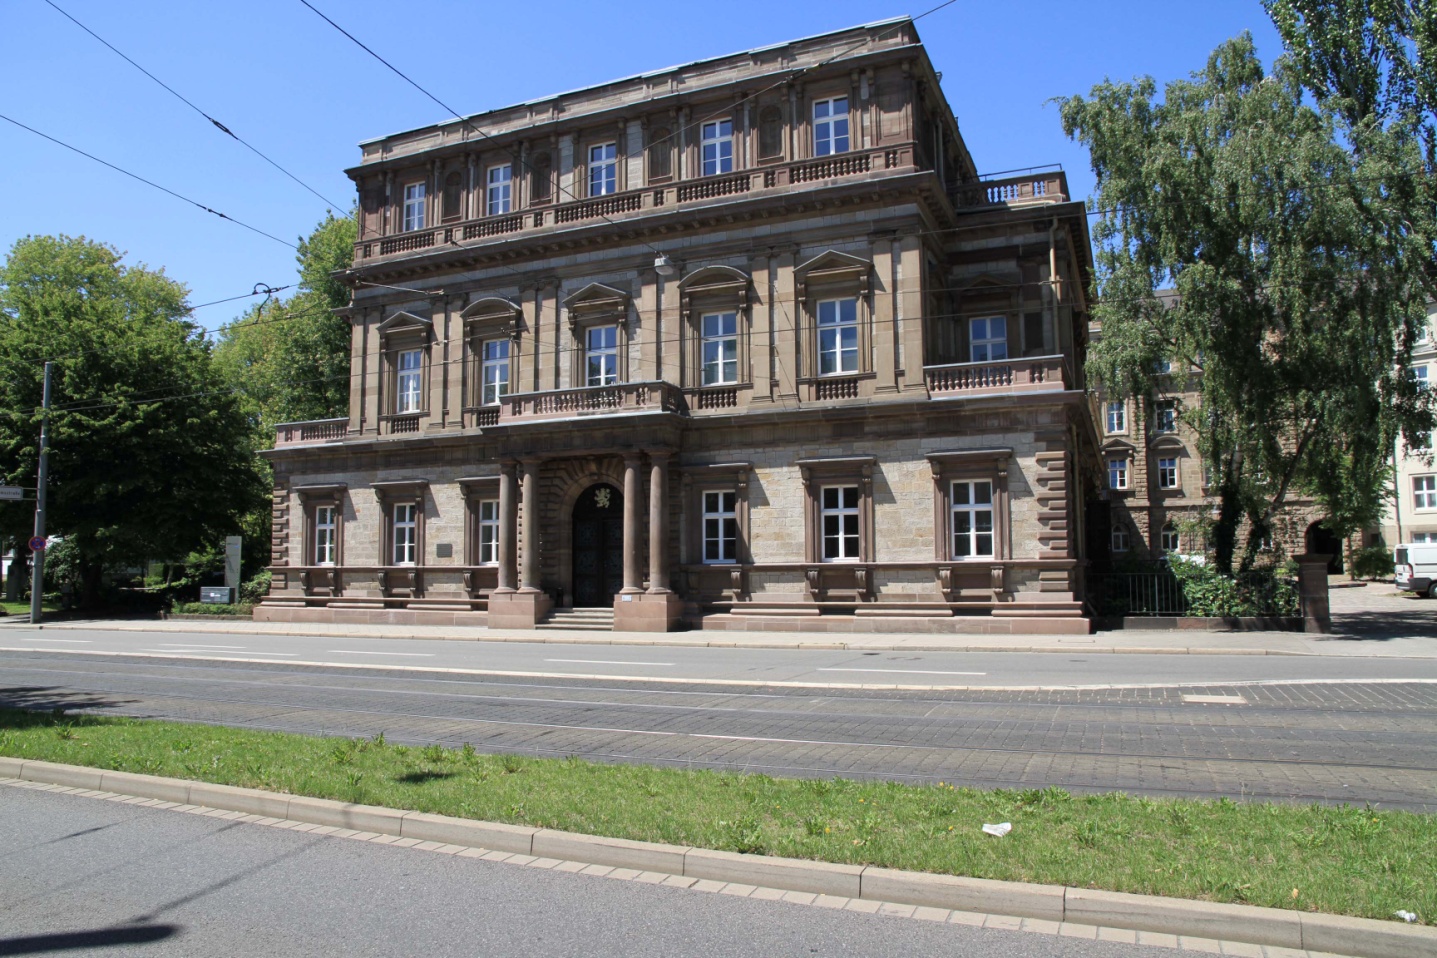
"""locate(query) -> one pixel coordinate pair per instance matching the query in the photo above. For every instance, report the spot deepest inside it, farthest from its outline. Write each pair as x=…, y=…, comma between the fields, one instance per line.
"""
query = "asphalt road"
x=1305, y=729
x=87, y=877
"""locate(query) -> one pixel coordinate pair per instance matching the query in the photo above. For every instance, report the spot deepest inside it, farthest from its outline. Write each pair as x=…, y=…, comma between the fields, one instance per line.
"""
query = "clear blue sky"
x=299, y=91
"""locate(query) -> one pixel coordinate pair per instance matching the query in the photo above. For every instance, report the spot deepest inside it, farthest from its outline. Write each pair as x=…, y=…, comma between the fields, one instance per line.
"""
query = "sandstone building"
x=743, y=343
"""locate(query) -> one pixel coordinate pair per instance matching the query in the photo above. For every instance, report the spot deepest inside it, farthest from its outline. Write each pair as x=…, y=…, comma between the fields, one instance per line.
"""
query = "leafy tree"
x=1292, y=303
x=150, y=455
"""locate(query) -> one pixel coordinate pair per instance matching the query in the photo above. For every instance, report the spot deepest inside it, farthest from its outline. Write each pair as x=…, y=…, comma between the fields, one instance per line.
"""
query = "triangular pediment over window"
x=597, y=298
x=402, y=322
x=833, y=267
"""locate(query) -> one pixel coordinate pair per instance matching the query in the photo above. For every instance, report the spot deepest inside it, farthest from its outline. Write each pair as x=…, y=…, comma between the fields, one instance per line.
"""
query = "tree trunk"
x=91, y=580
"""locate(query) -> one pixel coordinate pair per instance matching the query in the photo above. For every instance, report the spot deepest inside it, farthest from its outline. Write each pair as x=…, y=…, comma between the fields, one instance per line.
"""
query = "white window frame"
x=1424, y=492
x=720, y=526
x=837, y=337
x=1419, y=374
x=326, y=535
x=831, y=126
x=409, y=382
x=1165, y=418
x=603, y=169
x=987, y=343
x=486, y=519
x=1168, y=473
x=849, y=544
x=1116, y=417
x=606, y=353
x=499, y=194
x=1169, y=539
x=1118, y=472
x=404, y=531
x=716, y=147
x=414, y=204
x=720, y=348
x=1120, y=541
x=1162, y=366
x=493, y=371
x=966, y=516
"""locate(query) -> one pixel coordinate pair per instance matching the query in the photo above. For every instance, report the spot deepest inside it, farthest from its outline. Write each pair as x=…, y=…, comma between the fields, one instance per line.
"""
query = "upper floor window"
x=540, y=177
x=988, y=339
x=1166, y=418
x=326, y=538
x=839, y=520
x=405, y=531
x=1419, y=373
x=1117, y=473
x=413, y=207
x=830, y=126
x=453, y=202
x=770, y=133
x=720, y=527
x=500, y=189
x=717, y=145
x=1424, y=492
x=601, y=355
x=1120, y=539
x=1168, y=540
x=720, y=347
x=603, y=169
x=407, y=393
x=972, y=505
x=661, y=153
x=1167, y=473
x=1162, y=366
x=494, y=371
x=1117, y=415
x=487, y=522
x=837, y=336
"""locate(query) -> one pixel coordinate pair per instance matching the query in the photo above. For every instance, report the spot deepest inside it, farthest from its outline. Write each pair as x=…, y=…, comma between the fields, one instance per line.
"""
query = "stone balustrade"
x=1030, y=374
x=1012, y=191
x=591, y=400
x=309, y=433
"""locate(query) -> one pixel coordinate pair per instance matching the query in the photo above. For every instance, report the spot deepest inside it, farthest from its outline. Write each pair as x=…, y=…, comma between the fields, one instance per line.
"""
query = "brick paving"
x=1313, y=741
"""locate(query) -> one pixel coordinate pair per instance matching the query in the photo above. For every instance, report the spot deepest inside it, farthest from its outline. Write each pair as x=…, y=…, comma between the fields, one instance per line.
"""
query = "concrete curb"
x=1333, y=934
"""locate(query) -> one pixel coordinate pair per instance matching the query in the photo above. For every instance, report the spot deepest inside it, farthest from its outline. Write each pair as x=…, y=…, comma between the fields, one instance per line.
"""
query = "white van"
x=1416, y=567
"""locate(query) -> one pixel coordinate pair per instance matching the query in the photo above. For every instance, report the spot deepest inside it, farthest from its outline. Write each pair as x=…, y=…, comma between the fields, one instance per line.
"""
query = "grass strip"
x=1339, y=860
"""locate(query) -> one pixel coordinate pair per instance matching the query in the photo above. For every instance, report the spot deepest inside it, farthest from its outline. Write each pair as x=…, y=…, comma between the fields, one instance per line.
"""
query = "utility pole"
x=37, y=580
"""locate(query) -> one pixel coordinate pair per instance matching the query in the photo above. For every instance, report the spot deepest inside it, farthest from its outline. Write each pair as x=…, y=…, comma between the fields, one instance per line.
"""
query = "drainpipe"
x=1396, y=490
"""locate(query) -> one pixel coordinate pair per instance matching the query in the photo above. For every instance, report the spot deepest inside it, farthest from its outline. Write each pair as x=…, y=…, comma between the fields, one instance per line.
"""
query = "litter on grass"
x=998, y=830
x=1406, y=916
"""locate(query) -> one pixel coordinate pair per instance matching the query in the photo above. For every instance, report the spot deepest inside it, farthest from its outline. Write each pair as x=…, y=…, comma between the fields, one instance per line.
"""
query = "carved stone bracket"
x=996, y=580
x=864, y=584
x=945, y=581
x=815, y=582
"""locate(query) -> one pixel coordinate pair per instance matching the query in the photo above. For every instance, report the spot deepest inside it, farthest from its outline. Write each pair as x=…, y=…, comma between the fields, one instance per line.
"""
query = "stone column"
x=631, y=524
x=529, y=580
x=658, y=523
x=1312, y=590
x=508, y=521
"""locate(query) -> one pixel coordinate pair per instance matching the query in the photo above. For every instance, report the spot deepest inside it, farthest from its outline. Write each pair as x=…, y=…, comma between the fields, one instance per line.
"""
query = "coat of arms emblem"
x=602, y=498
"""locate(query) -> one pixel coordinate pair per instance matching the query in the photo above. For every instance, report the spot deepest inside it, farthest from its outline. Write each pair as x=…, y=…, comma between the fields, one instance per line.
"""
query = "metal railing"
x=1164, y=593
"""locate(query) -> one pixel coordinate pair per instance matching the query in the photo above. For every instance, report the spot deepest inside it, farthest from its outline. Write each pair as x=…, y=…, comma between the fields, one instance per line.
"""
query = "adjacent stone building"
x=742, y=343
x=1411, y=514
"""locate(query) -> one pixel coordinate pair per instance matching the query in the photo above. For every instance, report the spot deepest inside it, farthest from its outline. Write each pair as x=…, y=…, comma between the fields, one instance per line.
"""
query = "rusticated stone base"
x=370, y=616
x=518, y=610
x=645, y=612
x=957, y=624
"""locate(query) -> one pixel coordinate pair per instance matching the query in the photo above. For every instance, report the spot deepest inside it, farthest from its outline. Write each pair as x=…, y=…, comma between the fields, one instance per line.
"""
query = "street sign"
x=37, y=543
x=12, y=493
x=216, y=595
x=232, y=561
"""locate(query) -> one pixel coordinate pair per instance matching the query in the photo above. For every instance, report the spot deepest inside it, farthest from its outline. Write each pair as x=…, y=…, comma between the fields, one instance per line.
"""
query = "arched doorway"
x=598, y=528
x=1323, y=541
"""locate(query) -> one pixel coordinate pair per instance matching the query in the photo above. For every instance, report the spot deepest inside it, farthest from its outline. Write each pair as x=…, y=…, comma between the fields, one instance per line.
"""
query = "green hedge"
x=205, y=608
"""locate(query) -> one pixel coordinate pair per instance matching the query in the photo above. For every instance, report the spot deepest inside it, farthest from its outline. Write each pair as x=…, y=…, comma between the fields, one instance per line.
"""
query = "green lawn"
x=23, y=608
x=1352, y=861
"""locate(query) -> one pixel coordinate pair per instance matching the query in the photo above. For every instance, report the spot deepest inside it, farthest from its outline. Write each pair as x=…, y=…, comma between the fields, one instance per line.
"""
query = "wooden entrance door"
x=598, y=546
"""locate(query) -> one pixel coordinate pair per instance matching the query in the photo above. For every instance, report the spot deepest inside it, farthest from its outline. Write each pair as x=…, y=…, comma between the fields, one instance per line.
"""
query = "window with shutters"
x=770, y=133
x=661, y=155
x=453, y=204
x=541, y=172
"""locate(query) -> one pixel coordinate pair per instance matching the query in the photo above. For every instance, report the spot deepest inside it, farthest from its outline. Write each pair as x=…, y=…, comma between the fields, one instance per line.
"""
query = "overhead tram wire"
x=177, y=95
x=149, y=183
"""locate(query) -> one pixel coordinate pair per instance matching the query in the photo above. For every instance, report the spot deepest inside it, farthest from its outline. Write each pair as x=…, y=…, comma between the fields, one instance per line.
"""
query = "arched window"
x=661, y=154
x=770, y=133
x=1170, y=540
x=453, y=196
x=540, y=172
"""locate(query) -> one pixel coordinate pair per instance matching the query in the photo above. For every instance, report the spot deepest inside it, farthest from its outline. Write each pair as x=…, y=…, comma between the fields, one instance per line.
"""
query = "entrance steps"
x=583, y=620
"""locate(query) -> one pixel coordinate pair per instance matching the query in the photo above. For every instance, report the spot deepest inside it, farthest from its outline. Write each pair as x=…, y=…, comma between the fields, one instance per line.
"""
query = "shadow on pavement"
x=42, y=699
x=1385, y=624
x=99, y=938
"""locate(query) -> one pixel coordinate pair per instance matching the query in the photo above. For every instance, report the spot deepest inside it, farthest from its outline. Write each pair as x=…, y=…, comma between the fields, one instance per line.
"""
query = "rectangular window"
x=494, y=371
x=489, y=532
x=1168, y=540
x=1424, y=492
x=1117, y=416
x=839, y=514
x=837, y=336
x=1167, y=473
x=408, y=382
x=500, y=189
x=830, y=126
x=720, y=348
x=720, y=527
x=325, y=535
x=987, y=339
x=1117, y=473
x=973, y=520
x=1165, y=418
x=717, y=145
x=1420, y=538
x=1121, y=542
x=413, y=207
x=1162, y=366
x=1419, y=373
x=601, y=355
x=406, y=533
x=603, y=169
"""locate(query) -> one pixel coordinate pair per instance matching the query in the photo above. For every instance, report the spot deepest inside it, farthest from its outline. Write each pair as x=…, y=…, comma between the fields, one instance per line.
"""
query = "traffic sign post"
x=37, y=544
x=37, y=566
x=12, y=493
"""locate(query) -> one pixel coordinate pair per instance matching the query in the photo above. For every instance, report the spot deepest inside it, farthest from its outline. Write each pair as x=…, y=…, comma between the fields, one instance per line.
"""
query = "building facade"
x=743, y=343
x=1412, y=509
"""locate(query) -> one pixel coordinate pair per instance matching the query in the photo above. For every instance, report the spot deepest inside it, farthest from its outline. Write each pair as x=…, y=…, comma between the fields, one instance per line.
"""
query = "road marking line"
x=413, y=655
x=198, y=645
x=211, y=653
x=605, y=662
x=1215, y=699
x=26, y=638
x=902, y=671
